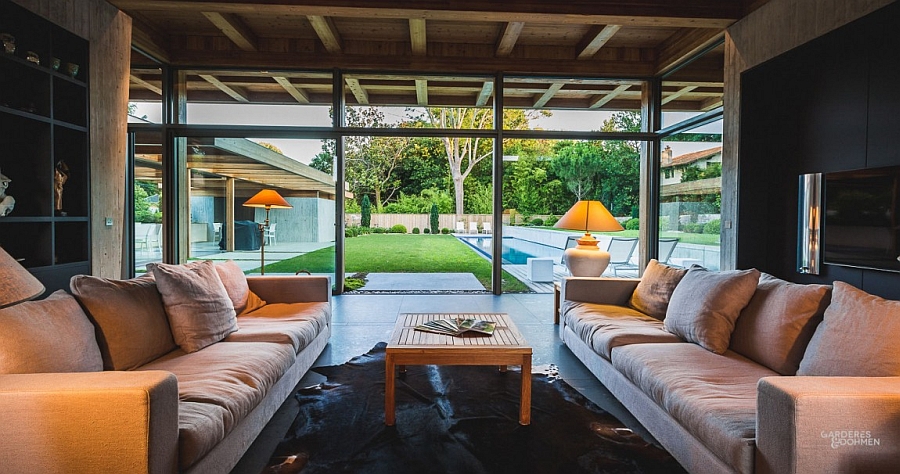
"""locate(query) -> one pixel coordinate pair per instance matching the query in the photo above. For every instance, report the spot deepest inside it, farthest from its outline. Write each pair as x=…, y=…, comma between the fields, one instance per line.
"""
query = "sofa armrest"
x=89, y=422
x=615, y=291
x=291, y=288
x=827, y=424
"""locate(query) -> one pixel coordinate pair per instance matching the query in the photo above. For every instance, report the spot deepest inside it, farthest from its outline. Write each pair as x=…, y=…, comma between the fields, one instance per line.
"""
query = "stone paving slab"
x=422, y=282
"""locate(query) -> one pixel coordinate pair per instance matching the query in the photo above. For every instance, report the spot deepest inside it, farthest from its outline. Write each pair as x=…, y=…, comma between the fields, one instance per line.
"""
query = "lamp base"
x=587, y=260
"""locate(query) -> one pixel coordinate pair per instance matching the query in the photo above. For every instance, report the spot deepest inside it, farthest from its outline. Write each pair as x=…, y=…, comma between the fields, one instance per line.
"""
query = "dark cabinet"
x=44, y=146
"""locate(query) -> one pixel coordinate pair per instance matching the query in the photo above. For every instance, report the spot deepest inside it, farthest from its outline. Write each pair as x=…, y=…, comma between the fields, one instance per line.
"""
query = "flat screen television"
x=861, y=226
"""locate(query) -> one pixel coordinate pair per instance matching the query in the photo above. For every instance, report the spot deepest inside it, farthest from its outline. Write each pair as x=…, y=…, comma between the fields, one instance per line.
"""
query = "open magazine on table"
x=457, y=327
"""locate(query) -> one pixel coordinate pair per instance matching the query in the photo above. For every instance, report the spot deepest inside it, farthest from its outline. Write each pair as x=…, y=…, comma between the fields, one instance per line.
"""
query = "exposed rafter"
x=677, y=94
x=362, y=97
x=421, y=92
x=297, y=93
x=683, y=45
x=417, y=36
x=604, y=99
x=546, y=96
x=327, y=32
x=508, y=39
x=147, y=38
x=234, y=29
x=595, y=39
x=486, y=90
x=146, y=85
x=235, y=93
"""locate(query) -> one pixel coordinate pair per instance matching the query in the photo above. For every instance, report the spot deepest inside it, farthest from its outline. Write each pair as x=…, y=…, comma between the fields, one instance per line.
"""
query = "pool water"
x=515, y=251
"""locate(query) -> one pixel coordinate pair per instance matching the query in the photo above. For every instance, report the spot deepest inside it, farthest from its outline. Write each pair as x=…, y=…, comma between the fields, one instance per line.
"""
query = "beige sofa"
x=742, y=408
x=108, y=390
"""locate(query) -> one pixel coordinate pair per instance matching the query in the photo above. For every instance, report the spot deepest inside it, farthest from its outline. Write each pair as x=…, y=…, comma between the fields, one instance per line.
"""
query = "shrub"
x=398, y=229
x=712, y=227
x=445, y=231
x=364, y=230
x=434, y=218
x=537, y=221
x=379, y=230
x=632, y=224
x=415, y=230
x=692, y=228
x=426, y=230
x=366, y=211
x=551, y=221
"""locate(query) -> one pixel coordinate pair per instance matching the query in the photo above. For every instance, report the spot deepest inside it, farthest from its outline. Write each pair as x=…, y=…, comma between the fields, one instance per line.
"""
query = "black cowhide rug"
x=455, y=419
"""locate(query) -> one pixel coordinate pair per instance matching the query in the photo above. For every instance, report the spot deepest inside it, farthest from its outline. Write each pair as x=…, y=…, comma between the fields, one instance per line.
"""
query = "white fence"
x=422, y=221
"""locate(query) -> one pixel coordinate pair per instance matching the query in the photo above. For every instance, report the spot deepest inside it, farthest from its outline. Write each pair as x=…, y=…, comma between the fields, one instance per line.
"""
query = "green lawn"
x=401, y=253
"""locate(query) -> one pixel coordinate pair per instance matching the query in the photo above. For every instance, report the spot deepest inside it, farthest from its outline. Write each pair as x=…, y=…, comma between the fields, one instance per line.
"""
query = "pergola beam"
x=677, y=94
x=235, y=93
x=362, y=97
x=234, y=29
x=417, y=36
x=486, y=90
x=596, y=38
x=546, y=96
x=422, y=92
x=604, y=99
x=508, y=38
x=297, y=93
x=327, y=33
x=146, y=85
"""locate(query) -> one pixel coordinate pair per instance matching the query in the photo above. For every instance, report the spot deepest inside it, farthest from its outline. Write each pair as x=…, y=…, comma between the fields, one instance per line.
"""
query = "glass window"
x=145, y=95
x=148, y=200
x=695, y=88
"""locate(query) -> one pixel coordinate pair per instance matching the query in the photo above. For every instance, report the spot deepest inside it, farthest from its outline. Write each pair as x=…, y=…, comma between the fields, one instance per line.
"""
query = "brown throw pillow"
x=50, y=335
x=236, y=286
x=705, y=305
x=857, y=337
x=199, y=310
x=132, y=326
x=652, y=294
x=775, y=328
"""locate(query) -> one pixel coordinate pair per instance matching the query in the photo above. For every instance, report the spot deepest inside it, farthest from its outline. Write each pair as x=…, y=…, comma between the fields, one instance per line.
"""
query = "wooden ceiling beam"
x=362, y=97
x=486, y=91
x=235, y=29
x=604, y=99
x=145, y=37
x=546, y=96
x=327, y=33
x=297, y=93
x=710, y=103
x=683, y=45
x=146, y=85
x=421, y=92
x=508, y=38
x=677, y=94
x=235, y=93
x=596, y=38
x=417, y=36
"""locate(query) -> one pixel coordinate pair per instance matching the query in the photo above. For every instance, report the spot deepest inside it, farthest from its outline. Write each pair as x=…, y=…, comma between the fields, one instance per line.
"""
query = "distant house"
x=672, y=168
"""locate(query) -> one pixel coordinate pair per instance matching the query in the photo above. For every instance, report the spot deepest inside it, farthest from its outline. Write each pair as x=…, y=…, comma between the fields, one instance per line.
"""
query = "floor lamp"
x=268, y=199
x=587, y=260
x=16, y=283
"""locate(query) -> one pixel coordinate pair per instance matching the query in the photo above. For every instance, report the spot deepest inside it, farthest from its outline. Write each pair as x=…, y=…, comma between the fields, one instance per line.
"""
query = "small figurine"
x=60, y=176
x=7, y=203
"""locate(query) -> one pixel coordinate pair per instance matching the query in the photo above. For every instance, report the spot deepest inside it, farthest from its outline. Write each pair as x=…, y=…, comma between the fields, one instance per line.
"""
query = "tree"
x=435, y=220
x=366, y=218
x=323, y=162
x=578, y=165
x=271, y=147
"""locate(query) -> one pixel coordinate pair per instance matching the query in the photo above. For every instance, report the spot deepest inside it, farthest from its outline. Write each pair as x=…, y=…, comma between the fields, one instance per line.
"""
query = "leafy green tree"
x=578, y=165
x=142, y=210
x=695, y=173
x=366, y=218
x=324, y=161
x=435, y=218
x=421, y=203
x=271, y=147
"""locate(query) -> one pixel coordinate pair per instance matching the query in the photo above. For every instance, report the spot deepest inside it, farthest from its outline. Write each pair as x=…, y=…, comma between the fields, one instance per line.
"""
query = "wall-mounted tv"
x=861, y=225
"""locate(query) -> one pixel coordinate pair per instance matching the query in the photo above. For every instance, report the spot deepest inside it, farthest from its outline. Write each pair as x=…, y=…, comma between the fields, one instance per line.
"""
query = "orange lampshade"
x=589, y=216
x=16, y=284
x=269, y=199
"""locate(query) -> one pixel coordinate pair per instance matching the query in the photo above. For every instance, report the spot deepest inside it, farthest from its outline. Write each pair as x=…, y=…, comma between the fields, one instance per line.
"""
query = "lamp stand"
x=262, y=243
x=587, y=260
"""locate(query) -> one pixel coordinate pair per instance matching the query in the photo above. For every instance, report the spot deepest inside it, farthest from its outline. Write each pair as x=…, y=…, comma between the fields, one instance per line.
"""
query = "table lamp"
x=587, y=260
x=268, y=199
x=16, y=283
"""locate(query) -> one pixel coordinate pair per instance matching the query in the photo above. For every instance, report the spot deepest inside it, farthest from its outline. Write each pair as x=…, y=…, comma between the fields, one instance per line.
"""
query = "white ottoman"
x=539, y=269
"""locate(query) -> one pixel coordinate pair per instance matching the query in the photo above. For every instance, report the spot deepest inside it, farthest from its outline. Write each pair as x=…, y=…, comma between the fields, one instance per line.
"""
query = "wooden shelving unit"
x=44, y=121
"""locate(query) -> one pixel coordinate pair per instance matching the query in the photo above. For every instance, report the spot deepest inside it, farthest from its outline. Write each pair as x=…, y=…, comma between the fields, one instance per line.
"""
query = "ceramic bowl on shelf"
x=9, y=42
x=72, y=69
x=54, y=64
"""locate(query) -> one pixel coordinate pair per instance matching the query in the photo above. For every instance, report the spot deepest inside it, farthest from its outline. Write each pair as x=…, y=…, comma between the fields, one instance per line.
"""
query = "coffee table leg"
x=525, y=402
x=389, y=389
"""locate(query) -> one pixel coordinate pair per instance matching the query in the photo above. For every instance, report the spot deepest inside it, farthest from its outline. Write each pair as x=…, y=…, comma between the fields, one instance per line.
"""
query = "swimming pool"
x=515, y=251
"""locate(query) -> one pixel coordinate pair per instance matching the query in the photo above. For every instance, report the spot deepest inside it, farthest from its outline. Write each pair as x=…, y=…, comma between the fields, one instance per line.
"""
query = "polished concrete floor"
x=361, y=321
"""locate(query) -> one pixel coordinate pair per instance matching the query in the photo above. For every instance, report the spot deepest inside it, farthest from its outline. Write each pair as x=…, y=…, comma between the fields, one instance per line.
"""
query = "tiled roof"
x=689, y=158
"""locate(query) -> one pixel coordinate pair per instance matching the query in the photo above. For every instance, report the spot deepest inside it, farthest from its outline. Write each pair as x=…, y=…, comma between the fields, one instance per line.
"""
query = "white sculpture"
x=7, y=203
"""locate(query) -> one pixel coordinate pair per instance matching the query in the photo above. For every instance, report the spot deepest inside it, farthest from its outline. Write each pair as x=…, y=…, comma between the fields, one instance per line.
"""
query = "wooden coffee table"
x=410, y=347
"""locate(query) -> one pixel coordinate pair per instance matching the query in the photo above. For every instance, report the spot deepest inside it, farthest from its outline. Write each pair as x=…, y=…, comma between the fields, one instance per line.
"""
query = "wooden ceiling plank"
x=677, y=94
x=235, y=93
x=146, y=85
x=327, y=32
x=604, y=99
x=596, y=38
x=297, y=93
x=486, y=91
x=546, y=96
x=235, y=29
x=508, y=38
x=147, y=38
x=710, y=103
x=422, y=92
x=362, y=97
x=417, y=36
x=683, y=45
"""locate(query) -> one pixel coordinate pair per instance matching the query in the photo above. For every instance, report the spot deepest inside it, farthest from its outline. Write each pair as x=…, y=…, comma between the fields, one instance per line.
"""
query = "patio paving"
x=422, y=282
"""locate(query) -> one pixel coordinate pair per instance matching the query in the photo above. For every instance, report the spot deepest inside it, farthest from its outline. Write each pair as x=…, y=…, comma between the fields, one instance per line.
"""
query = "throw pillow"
x=652, y=294
x=705, y=305
x=857, y=338
x=132, y=326
x=235, y=283
x=199, y=310
x=49, y=335
x=775, y=328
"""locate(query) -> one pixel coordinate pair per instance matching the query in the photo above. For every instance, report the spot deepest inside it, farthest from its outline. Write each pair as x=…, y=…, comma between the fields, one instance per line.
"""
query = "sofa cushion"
x=604, y=327
x=705, y=305
x=713, y=396
x=235, y=283
x=296, y=324
x=857, y=337
x=49, y=335
x=652, y=294
x=132, y=326
x=197, y=305
x=201, y=426
x=776, y=326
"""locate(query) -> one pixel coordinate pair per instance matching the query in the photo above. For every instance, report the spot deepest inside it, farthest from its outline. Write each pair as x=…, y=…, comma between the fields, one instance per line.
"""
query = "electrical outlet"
x=109, y=222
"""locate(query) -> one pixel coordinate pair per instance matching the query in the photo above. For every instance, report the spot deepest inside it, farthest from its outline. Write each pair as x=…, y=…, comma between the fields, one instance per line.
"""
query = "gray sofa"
x=742, y=408
x=113, y=393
